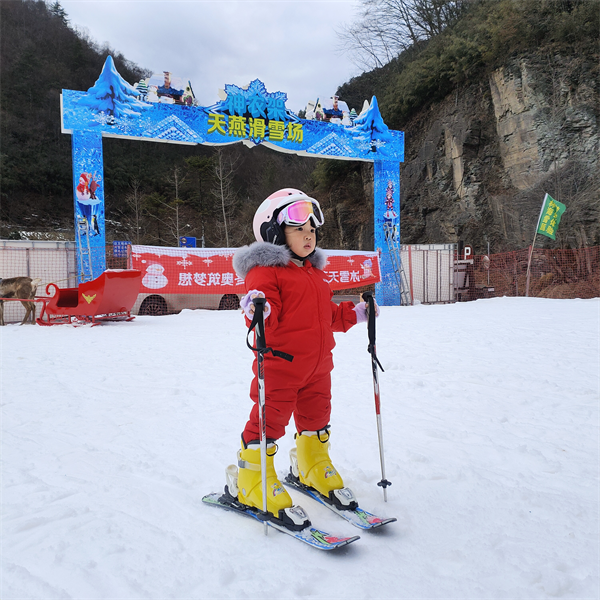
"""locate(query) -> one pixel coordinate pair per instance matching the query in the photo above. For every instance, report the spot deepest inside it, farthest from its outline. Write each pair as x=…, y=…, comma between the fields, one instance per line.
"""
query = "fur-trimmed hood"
x=264, y=254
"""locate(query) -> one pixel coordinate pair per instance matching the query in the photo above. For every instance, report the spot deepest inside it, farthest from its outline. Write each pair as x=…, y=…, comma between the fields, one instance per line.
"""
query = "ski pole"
x=261, y=349
x=368, y=297
x=261, y=345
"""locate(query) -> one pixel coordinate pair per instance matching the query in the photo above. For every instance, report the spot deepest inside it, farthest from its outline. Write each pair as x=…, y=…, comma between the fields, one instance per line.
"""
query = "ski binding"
x=345, y=505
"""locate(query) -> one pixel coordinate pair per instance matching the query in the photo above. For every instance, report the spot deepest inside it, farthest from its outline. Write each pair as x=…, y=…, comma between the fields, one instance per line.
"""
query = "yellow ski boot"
x=245, y=486
x=312, y=467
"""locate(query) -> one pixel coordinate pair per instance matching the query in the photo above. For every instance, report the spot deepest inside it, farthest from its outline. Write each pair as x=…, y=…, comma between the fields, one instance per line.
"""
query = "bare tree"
x=385, y=28
x=135, y=201
x=202, y=172
x=176, y=179
x=226, y=164
x=164, y=213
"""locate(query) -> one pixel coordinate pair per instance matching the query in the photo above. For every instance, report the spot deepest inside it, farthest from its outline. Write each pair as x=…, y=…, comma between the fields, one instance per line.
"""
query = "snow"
x=112, y=434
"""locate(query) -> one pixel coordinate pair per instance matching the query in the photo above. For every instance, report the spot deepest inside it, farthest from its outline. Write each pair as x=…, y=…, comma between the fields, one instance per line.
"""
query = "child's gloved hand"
x=248, y=306
x=362, y=311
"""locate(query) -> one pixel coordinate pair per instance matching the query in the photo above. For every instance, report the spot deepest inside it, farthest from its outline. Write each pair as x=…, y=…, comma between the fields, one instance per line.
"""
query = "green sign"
x=552, y=211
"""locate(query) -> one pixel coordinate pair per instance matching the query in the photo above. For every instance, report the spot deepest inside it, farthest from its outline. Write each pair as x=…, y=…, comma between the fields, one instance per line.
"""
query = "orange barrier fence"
x=553, y=274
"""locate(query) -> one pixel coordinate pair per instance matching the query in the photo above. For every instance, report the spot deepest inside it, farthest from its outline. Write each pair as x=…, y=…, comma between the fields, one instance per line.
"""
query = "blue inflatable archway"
x=251, y=115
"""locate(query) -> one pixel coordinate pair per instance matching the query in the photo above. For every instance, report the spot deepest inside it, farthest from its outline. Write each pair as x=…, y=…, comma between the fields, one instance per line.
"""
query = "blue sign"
x=120, y=249
x=187, y=242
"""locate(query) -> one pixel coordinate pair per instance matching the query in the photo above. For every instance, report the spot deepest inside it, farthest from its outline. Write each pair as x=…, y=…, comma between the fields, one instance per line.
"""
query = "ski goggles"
x=300, y=212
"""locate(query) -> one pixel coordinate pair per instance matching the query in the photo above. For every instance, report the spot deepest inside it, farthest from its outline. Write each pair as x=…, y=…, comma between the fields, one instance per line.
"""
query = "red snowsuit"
x=301, y=323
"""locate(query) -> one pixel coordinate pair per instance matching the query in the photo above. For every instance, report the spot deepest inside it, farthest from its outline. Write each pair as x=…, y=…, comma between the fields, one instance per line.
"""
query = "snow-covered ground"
x=112, y=434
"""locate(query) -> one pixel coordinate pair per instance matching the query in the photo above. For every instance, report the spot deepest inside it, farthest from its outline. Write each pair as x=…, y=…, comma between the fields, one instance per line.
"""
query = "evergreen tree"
x=371, y=123
x=58, y=11
x=112, y=95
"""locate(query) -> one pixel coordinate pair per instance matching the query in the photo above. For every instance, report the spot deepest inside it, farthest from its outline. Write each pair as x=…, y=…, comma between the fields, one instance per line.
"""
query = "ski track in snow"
x=112, y=434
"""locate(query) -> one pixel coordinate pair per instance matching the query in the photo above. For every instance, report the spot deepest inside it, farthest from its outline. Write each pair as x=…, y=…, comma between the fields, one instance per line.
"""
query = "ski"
x=358, y=517
x=309, y=535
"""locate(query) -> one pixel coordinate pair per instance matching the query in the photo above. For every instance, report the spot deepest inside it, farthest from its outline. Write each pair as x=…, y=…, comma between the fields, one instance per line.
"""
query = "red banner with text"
x=209, y=270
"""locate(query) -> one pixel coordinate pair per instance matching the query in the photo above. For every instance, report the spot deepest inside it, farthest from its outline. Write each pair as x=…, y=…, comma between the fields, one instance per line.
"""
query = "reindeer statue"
x=23, y=288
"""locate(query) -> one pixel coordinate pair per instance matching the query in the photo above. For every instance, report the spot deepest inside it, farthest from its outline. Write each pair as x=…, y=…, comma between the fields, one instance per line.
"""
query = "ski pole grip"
x=368, y=298
x=259, y=303
x=258, y=323
x=259, y=309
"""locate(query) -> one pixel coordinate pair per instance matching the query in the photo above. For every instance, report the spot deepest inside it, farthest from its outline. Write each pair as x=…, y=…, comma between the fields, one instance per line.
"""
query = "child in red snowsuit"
x=285, y=267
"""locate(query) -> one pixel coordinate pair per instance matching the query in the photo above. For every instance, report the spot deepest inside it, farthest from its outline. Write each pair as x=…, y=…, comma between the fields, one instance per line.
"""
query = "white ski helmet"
x=287, y=206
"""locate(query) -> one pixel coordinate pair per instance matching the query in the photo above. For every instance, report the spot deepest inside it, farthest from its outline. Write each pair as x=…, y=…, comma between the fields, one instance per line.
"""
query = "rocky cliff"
x=479, y=163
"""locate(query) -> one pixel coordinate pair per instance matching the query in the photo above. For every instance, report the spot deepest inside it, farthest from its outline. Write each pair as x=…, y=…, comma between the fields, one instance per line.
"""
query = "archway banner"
x=248, y=114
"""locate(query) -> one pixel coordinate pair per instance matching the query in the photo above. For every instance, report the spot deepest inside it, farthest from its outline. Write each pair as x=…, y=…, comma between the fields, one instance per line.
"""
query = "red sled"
x=109, y=297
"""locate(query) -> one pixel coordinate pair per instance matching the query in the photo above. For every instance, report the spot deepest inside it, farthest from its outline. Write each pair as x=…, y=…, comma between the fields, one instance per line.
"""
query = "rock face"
x=479, y=163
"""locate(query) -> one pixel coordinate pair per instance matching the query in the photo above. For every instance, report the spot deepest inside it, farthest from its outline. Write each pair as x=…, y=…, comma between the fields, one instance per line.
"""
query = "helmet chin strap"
x=300, y=258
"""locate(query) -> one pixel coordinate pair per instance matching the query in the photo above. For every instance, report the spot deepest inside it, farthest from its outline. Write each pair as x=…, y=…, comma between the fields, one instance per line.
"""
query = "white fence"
x=52, y=262
x=429, y=271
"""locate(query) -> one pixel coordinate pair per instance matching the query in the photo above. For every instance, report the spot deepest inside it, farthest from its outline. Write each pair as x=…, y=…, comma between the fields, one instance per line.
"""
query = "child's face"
x=301, y=240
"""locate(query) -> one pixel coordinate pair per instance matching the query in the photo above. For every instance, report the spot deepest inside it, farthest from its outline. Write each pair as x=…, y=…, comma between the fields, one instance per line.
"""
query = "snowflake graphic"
x=103, y=119
x=184, y=263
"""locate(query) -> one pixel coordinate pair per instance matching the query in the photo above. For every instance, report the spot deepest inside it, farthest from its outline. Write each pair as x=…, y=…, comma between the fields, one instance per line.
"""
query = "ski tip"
x=352, y=539
x=327, y=541
x=345, y=543
x=368, y=520
x=381, y=522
